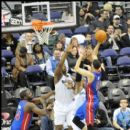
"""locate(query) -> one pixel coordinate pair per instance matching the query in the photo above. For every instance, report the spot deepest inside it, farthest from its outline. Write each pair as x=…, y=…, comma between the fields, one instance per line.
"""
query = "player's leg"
x=59, y=120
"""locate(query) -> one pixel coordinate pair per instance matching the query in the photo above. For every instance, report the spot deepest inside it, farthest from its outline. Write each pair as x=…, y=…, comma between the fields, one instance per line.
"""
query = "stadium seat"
x=13, y=61
x=6, y=79
x=81, y=30
x=8, y=83
x=67, y=32
x=125, y=51
x=101, y=97
x=7, y=54
x=34, y=76
x=124, y=84
x=104, y=87
x=123, y=64
x=114, y=96
x=16, y=35
x=111, y=68
x=102, y=106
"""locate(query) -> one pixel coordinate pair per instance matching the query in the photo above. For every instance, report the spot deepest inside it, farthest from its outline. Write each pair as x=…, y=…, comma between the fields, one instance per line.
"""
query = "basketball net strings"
x=43, y=35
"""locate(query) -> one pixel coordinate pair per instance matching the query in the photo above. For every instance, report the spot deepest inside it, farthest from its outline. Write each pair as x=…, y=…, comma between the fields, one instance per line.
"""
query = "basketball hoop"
x=42, y=30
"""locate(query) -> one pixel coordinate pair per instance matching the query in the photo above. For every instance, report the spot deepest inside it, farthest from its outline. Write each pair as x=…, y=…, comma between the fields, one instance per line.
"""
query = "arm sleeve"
x=77, y=122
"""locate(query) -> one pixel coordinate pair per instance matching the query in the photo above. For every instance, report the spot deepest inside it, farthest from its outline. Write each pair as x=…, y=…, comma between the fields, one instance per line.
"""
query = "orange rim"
x=39, y=25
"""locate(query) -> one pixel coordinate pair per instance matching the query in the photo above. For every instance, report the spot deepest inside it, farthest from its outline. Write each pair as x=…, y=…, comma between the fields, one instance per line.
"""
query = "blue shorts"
x=88, y=111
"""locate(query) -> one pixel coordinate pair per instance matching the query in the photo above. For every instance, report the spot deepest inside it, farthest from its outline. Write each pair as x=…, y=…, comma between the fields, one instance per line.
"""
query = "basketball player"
x=26, y=108
x=89, y=55
x=88, y=109
x=63, y=93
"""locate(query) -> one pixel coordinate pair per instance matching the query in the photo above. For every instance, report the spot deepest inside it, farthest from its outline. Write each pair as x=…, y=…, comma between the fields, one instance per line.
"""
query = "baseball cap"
x=116, y=17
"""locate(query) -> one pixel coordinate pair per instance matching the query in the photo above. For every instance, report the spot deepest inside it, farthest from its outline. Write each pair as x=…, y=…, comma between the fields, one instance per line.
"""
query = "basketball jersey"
x=91, y=89
x=22, y=119
x=63, y=95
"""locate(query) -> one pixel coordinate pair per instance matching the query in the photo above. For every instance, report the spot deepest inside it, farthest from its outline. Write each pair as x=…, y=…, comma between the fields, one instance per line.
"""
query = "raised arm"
x=58, y=71
x=83, y=72
x=96, y=49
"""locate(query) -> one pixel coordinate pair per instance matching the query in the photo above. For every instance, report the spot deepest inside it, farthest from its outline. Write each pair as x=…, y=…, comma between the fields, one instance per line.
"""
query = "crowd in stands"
x=26, y=51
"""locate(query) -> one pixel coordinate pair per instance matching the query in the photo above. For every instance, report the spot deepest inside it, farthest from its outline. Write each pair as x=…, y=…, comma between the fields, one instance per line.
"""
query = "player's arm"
x=44, y=97
x=96, y=49
x=83, y=72
x=58, y=71
x=31, y=107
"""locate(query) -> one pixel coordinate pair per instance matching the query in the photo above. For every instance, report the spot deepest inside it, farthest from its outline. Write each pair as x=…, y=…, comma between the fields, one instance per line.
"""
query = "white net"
x=43, y=35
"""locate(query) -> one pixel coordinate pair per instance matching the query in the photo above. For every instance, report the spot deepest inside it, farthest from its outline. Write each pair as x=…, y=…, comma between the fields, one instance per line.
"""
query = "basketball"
x=100, y=36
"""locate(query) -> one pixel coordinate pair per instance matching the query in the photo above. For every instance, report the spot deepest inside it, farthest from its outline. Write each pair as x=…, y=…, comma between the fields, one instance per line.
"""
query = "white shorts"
x=62, y=114
x=62, y=119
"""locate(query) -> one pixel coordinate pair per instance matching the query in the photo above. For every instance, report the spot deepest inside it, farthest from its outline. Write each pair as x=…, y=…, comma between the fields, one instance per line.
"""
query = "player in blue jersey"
x=88, y=109
x=26, y=108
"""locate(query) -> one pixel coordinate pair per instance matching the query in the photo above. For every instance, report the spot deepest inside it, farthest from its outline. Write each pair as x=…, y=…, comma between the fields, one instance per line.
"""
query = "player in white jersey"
x=63, y=94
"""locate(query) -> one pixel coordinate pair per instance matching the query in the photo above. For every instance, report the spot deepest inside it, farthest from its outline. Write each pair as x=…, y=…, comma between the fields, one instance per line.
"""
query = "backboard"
x=62, y=13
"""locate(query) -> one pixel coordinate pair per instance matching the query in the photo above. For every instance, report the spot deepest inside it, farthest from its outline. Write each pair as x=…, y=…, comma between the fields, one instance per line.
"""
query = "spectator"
x=60, y=46
x=23, y=60
x=114, y=39
x=40, y=57
x=9, y=42
x=121, y=116
x=126, y=38
x=90, y=39
x=121, y=13
x=26, y=42
x=91, y=8
x=82, y=20
x=51, y=66
x=61, y=38
x=74, y=41
x=110, y=42
x=102, y=22
x=117, y=23
x=108, y=6
x=53, y=38
x=118, y=38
